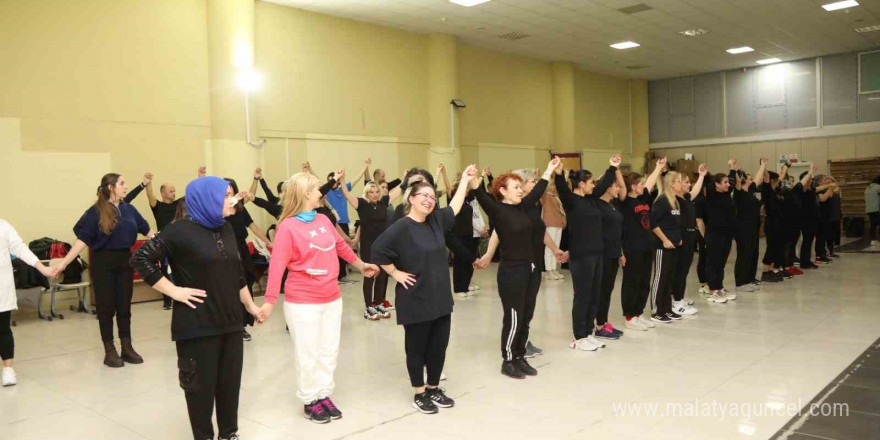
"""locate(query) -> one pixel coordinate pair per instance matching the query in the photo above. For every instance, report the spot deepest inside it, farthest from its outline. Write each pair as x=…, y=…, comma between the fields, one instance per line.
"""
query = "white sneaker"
x=682, y=308
x=473, y=287
x=558, y=275
x=646, y=322
x=755, y=286
x=875, y=242
x=704, y=290
x=595, y=341
x=730, y=295
x=689, y=301
x=636, y=324
x=461, y=294
x=717, y=297
x=9, y=378
x=745, y=288
x=583, y=344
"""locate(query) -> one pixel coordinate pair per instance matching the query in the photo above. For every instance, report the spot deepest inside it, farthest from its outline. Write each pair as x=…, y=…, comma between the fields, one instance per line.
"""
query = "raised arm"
x=258, y=175
x=364, y=173
x=651, y=181
x=469, y=174
x=258, y=231
x=808, y=176
x=307, y=168
x=148, y=177
x=608, y=178
x=618, y=177
x=759, y=175
x=732, y=175
x=562, y=189
x=340, y=177
x=541, y=186
x=397, y=191
x=698, y=185
x=441, y=170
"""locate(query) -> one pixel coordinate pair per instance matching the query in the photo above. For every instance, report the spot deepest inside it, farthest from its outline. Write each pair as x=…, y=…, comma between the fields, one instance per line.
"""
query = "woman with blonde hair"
x=307, y=246
x=372, y=211
x=666, y=226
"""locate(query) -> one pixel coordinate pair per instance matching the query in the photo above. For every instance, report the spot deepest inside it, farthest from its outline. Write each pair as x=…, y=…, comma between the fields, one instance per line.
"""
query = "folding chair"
x=58, y=285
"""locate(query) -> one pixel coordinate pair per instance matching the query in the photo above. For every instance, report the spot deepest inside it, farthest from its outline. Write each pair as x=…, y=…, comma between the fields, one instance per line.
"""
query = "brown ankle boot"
x=128, y=353
x=111, y=358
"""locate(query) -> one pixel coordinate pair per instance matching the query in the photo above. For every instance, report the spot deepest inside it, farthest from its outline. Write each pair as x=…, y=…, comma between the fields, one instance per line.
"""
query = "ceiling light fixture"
x=868, y=28
x=840, y=5
x=468, y=3
x=737, y=50
x=769, y=61
x=625, y=45
x=694, y=32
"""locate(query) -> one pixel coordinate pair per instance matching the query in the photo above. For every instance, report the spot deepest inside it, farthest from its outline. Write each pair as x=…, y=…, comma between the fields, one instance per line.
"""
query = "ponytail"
x=108, y=215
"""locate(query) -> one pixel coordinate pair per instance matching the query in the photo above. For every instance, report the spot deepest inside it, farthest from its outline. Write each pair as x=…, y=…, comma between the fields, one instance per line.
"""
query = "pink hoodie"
x=309, y=252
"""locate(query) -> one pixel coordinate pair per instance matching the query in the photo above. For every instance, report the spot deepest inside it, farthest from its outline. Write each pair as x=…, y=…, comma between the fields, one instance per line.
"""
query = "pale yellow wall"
x=509, y=98
x=118, y=85
x=639, y=105
x=602, y=117
x=816, y=150
x=330, y=75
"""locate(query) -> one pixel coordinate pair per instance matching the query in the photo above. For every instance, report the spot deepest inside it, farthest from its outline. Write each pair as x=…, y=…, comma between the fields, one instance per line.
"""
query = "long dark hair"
x=108, y=215
x=180, y=211
x=240, y=205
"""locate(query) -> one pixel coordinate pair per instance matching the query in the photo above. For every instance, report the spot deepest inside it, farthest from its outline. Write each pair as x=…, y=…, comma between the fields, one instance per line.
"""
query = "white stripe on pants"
x=315, y=330
x=549, y=257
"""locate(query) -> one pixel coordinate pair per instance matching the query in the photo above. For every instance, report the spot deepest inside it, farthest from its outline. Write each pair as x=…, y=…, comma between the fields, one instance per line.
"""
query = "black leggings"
x=112, y=281
x=462, y=269
x=586, y=276
x=636, y=283
x=7, y=342
x=425, y=344
x=718, y=250
x=609, y=276
x=683, y=265
x=343, y=266
x=518, y=285
x=374, y=289
x=701, y=259
x=792, y=232
x=209, y=373
x=809, y=231
x=775, y=236
x=662, y=280
x=746, y=265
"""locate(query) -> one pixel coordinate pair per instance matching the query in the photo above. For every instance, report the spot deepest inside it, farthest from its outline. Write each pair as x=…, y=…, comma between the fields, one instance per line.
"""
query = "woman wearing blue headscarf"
x=209, y=290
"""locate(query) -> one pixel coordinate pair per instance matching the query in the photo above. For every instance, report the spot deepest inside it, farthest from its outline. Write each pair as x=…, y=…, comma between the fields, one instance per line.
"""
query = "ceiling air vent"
x=513, y=36
x=636, y=66
x=635, y=9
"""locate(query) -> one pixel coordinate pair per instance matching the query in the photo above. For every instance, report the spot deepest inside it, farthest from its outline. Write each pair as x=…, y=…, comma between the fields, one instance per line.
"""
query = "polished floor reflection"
x=730, y=372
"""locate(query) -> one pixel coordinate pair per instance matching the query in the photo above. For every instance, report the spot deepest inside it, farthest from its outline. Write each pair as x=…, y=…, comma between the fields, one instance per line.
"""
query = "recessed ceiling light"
x=694, y=32
x=868, y=28
x=840, y=5
x=625, y=45
x=737, y=50
x=769, y=61
x=468, y=3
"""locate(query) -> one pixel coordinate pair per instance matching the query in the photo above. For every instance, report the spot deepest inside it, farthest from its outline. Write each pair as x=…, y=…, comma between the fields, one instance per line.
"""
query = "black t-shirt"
x=164, y=213
x=810, y=204
x=612, y=229
x=792, y=204
x=772, y=201
x=720, y=214
x=198, y=262
x=835, y=210
x=419, y=249
x=748, y=207
x=373, y=221
x=668, y=219
x=327, y=213
x=688, y=215
x=637, y=235
x=464, y=221
x=512, y=222
x=240, y=222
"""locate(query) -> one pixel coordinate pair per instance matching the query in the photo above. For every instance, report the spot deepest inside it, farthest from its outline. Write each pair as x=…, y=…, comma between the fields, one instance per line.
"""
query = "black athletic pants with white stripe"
x=518, y=285
x=662, y=280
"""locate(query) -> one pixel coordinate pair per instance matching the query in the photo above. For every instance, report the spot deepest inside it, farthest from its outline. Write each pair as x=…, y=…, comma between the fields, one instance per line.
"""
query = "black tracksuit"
x=612, y=234
x=586, y=244
x=810, y=203
x=773, y=226
x=638, y=248
x=518, y=277
x=668, y=218
x=720, y=229
x=748, y=225
x=685, y=257
x=792, y=222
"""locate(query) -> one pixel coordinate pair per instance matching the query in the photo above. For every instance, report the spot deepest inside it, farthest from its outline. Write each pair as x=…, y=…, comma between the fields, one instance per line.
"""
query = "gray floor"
x=774, y=348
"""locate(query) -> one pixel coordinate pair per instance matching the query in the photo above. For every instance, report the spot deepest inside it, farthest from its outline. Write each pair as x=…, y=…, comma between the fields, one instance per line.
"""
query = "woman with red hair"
x=518, y=274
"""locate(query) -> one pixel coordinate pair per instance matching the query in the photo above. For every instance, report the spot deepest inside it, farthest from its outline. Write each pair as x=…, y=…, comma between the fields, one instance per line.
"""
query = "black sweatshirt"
x=688, y=216
x=201, y=258
x=720, y=212
x=637, y=235
x=668, y=219
x=515, y=227
x=612, y=229
x=748, y=207
x=584, y=216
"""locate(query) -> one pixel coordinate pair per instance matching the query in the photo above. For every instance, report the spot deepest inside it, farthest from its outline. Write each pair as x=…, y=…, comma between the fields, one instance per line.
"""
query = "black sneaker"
x=674, y=316
x=245, y=335
x=231, y=437
x=823, y=259
x=524, y=366
x=316, y=412
x=334, y=412
x=771, y=277
x=509, y=369
x=664, y=319
x=424, y=404
x=532, y=351
x=785, y=274
x=439, y=398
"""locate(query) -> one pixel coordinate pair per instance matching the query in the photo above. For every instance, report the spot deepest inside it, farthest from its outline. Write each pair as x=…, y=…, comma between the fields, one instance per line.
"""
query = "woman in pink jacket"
x=307, y=246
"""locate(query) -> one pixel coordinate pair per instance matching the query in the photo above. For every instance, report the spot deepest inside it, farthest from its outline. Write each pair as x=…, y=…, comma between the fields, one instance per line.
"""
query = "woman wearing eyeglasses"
x=413, y=252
